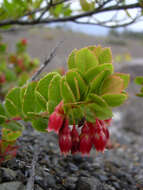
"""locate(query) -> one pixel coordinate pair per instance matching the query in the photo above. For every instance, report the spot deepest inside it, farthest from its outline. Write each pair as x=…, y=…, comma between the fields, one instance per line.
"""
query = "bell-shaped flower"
x=75, y=140
x=56, y=119
x=65, y=139
x=55, y=122
x=85, y=140
x=99, y=140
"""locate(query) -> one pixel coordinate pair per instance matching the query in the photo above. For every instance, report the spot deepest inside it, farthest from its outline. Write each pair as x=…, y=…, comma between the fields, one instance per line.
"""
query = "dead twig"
x=30, y=183
x=47, y=61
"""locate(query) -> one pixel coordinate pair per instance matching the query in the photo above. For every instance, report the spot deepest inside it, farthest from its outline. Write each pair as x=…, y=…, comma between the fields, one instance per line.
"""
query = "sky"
x=100, y=30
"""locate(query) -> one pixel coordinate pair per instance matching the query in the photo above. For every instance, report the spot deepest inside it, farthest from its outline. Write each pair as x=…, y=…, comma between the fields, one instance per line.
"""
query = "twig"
x=30, y=183
x=47, y=61
x=72, y=18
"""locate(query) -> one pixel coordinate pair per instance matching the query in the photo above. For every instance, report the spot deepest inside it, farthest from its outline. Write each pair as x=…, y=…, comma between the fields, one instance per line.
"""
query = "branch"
x=43, y=8
x=30, y=183
x=47, y=61
x=104, y=24
x=70, y=18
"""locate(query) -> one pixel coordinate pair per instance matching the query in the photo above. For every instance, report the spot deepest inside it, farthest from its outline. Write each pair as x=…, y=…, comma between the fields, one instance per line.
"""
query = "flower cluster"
x=71, y=140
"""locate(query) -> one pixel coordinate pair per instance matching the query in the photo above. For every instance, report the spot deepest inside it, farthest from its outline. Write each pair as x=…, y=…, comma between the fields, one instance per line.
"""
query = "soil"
x=39, y=156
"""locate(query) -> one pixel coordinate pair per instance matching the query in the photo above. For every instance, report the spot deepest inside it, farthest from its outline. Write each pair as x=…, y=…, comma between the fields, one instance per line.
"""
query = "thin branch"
x=70, y=18
x=30, y=183
x=107, y=26
x=44, y=65
x=43, y=8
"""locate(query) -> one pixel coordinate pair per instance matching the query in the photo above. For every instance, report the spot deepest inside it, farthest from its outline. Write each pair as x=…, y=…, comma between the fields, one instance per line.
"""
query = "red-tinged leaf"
x=112, y=85
x=71, y=60
x=125, y=77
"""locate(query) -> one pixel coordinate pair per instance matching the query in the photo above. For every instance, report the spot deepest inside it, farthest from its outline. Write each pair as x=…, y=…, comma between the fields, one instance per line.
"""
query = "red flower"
x=65, y=139
x=55, y=122
x=56, y=119
x=99, y=134
x=59, y=108
x=75, y=140
x=85, y=140
x=99, y=140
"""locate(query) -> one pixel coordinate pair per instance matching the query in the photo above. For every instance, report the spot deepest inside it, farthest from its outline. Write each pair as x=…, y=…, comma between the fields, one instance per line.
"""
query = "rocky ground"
x=39, y=161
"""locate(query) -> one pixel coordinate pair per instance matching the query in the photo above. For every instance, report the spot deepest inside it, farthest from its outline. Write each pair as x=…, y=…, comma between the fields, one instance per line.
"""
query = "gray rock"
x=12, y=186
x=89, y=183
x=7, y=174
x=49, y=181
x=72, y=167
x=70, y=182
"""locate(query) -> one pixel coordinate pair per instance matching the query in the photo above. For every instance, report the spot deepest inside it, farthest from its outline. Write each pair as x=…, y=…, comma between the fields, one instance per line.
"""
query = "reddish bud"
x=20, y=64
x=24, y=42
x=2, y=79
x=75, y=140
x=65, y=139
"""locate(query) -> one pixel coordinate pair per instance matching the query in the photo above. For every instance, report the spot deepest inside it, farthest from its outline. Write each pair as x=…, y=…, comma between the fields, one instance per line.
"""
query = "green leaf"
x=98, y=81
x=23, y=79
x=77, y=84
x=139, y=80
x=125, y=77
x=89, y=114
x=29, y=102
x=71, y=60
x=105, y=56
x=139, y=94
x=85, y=59
x=94, y=71
x=112, y=85
x=13, y=102
x=99, y=107
x=11, y=131
x=43, y=84
x=40, y=124
x=3, y=116
x=66, y=92
x=41, y=101
x=86, y=6
x=114, y=100
x=54, y=95
x=75, y=115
